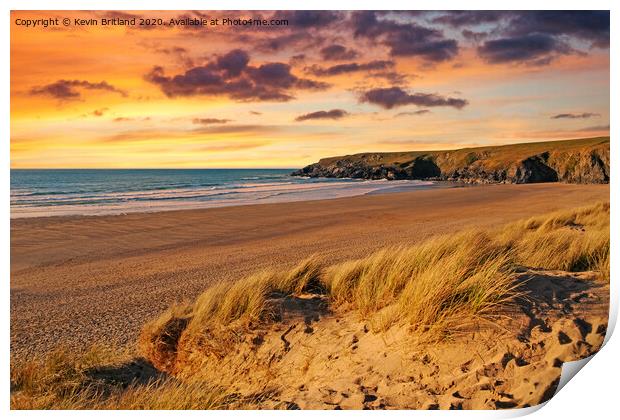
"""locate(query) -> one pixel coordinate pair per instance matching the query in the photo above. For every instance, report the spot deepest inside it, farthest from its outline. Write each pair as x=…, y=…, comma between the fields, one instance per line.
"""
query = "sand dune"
x=338, y=362
x=75, y=280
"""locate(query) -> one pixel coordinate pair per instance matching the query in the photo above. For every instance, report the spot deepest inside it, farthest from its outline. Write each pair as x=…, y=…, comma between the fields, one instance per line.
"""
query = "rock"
x=573, y=161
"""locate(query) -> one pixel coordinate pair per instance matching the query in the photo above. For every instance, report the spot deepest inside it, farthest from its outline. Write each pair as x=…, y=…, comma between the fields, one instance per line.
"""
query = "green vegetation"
x=492, y=157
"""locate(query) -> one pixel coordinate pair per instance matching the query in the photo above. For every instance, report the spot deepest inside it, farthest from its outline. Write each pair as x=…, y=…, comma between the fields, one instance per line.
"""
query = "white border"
x=592, y=395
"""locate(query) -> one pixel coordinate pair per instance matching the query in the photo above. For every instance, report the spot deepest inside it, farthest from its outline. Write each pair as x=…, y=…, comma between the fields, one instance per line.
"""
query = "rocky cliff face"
x=582, y=161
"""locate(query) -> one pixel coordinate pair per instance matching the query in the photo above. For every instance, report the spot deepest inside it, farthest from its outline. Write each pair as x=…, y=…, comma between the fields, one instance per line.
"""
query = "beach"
x=77, y=280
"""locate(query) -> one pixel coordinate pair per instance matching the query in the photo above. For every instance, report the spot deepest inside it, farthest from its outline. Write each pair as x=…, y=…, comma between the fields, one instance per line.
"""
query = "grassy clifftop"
x=579, y=160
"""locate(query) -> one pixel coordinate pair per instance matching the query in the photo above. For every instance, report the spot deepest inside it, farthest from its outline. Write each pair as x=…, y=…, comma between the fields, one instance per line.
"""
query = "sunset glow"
x=243, y=97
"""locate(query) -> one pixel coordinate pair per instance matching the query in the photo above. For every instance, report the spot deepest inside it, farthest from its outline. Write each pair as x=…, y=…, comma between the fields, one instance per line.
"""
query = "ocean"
x=60, y=192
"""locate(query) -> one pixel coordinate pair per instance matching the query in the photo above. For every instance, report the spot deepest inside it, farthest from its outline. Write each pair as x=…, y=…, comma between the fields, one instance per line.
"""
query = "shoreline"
x=77, y=279
x=328, y=190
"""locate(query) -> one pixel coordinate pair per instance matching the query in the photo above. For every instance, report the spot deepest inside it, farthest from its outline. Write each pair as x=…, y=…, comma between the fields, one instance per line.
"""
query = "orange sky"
x=92, y=96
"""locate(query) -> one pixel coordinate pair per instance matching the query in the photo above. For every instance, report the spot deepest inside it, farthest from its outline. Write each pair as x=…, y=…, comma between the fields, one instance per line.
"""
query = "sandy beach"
x=79, y=280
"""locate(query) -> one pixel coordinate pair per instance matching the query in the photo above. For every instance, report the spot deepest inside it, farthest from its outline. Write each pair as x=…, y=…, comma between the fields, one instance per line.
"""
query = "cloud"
x=473, y=35
x=148, y=135
x=393, y=77
x=334, y=114
x=207, y=121
x=594, y=128
x=413, y=113
x=589, y=25
x=337, y=52
x=309, y=18
x=459, y=18
x=392, y=97
x=117, y=14
x=71, y=89
x=233, y=63
x=227, y=147
x=535, y=49
x=231, y=75
x=575, y=116
x=281, y=42
x=404, y=39
x=297, y=59
x=256, y=113
x=125, y=119
x=248, y=129
x=350, y=68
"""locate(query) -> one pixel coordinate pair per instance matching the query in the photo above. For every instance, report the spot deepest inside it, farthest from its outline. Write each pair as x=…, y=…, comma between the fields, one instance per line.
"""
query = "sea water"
x=57, y=192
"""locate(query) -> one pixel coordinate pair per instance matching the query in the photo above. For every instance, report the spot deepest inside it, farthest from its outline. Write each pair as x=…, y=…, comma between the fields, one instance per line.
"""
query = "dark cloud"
x=256, y=113
x=459, y=18
x=309, y=18
x=393, y=77
x=404, y=39
x=535, y=49
x=181, y=54
x=337, y=52
x=172, y=50
x=334, y=114
x=233, y=62
x=281, y=42
x=588, y=25
x=389, y=98
x=231, y=75
x=413, y=113
x=575, y=116
x=208, y=121
x=350, y=68
x=297, y=59
x=473, y=35
x=70, y=89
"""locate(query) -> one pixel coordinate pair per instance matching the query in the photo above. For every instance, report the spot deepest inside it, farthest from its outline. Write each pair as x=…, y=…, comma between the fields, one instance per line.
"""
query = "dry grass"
x=223, y=311
x=575, y=240
x=97, y=379
x=428, y=285
x=434, y=287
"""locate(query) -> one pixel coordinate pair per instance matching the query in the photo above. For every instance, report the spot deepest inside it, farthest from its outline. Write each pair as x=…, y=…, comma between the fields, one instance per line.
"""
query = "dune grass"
x=224, y=311
x=434, y=287
x=574, y=240
x=68, y=381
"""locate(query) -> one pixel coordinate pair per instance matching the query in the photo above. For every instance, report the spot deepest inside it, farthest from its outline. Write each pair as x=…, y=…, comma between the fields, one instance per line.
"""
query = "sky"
x=308, y=85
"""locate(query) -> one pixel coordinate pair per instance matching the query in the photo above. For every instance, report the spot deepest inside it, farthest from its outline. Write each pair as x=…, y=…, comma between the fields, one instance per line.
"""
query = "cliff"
x=574, y=161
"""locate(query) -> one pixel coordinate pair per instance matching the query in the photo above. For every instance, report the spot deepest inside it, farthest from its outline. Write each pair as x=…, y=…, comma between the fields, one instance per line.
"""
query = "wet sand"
x=77, y=280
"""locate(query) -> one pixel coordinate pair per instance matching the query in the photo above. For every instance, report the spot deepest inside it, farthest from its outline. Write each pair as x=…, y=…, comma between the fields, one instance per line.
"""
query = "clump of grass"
x=159, y=337
x=224, y=312
x=371, y=284
x=68, y=380
x=574, y=240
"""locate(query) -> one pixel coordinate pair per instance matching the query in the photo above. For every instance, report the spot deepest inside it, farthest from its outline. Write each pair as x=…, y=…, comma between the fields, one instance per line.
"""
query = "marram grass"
x=434, y=288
